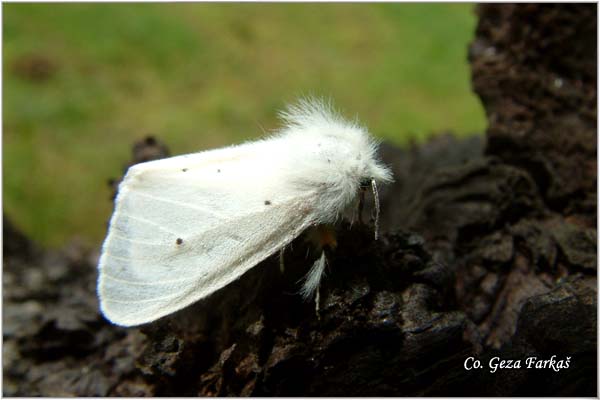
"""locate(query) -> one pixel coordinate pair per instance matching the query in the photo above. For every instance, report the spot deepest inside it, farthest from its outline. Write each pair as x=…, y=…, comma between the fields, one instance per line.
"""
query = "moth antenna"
x=376, y=201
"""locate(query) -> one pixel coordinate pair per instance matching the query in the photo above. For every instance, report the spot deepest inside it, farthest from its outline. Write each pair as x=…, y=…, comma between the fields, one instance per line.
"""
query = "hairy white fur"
x=314, y=276
x=184, y=227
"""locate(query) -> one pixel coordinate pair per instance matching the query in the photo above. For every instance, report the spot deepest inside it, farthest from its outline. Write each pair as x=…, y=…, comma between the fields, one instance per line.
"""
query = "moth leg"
x=281, y=260
x=317, y=302
x=323, y=237
x=361, y=205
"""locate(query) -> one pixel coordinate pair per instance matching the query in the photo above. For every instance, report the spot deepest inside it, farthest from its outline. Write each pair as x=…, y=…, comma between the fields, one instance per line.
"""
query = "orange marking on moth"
x=325, y=237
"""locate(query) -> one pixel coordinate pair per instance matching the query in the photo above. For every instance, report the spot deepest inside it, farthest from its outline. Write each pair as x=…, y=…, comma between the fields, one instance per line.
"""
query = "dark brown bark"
x=490, y=251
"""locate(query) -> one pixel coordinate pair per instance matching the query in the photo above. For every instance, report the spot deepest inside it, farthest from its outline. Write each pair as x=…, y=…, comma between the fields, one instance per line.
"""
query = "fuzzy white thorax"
x=333, y=155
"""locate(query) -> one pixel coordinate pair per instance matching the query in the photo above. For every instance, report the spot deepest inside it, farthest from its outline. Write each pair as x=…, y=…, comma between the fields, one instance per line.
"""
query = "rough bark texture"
x=490, y=252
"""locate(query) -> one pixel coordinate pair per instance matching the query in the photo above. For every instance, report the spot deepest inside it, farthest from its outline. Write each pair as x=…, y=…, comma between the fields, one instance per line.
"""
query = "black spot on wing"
x=179, y=241
x=267, y=202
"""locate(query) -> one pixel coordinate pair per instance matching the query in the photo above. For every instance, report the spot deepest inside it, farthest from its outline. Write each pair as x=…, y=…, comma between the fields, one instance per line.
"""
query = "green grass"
x=205, y=75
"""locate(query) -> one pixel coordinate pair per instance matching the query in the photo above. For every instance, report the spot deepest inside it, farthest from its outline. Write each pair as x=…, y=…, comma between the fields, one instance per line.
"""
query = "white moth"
x=186, y=226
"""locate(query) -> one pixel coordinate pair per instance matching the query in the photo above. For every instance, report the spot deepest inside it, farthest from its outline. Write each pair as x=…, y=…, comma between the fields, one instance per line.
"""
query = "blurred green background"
x=83, y=81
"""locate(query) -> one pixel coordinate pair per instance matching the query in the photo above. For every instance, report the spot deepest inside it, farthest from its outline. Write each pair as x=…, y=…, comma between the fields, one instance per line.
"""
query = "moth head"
x=367, y=166
x=376, y=171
